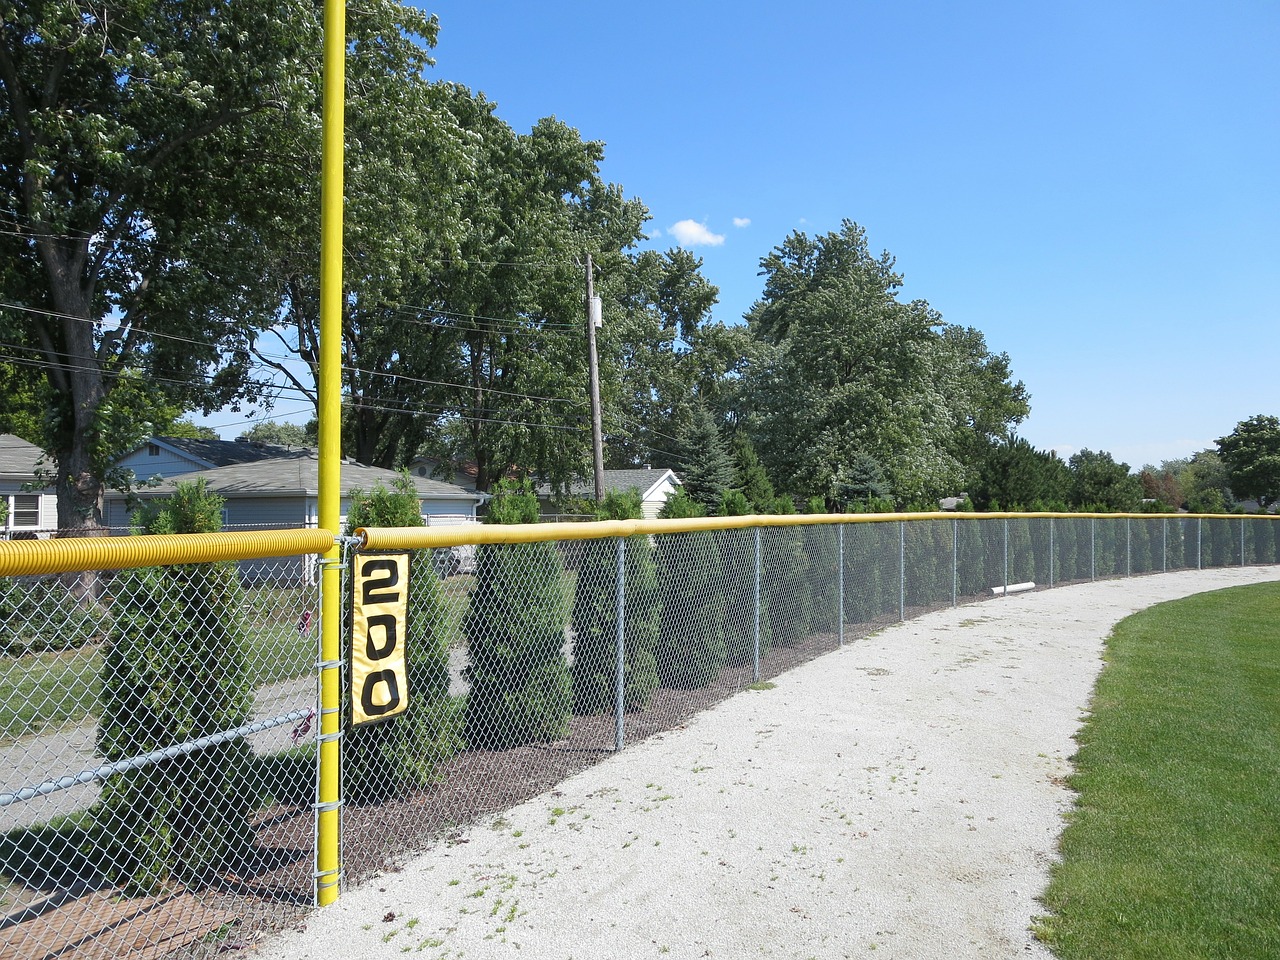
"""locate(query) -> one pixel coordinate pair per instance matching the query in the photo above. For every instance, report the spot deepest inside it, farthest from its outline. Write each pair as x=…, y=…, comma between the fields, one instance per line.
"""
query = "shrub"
x=595, y=620
x=174, y=672
x=691, y=642
x=387, y=759
x=40, y=615
x=515, y=630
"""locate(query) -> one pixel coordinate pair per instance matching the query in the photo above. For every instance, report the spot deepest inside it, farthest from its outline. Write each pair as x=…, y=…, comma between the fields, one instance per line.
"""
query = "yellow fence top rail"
x=71, y=554
x=418, y=538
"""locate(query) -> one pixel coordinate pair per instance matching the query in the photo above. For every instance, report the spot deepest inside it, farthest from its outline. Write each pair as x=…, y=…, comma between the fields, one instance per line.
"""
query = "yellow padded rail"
x=417, y=538
x=71, y=554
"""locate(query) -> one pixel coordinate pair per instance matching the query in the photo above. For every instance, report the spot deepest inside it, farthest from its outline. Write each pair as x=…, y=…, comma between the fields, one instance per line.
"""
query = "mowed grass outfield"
x=1174, y=849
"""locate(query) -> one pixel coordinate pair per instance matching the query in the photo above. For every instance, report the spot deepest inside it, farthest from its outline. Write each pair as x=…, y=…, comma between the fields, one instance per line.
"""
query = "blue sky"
x=1092, y=185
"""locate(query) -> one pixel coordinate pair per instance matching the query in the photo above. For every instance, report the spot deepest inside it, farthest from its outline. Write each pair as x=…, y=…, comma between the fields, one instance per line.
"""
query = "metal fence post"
x=1199, y=540
x=1051, y=551
x=1006, y=559
x=1128, y=547
x=840, y=584
x=1242, y=541
x=1093, y=548
x=620, y=685
x=755, y=656
x=955, y=560
x=1164, y=545
x=902, y=570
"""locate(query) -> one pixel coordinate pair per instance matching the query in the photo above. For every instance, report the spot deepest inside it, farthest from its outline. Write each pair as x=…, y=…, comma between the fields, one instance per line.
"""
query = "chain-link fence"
x=158, y=724
x=157, y=755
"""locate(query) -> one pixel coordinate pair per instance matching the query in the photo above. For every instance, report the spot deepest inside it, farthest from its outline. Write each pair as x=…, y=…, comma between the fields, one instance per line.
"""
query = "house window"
x=226, y=517
x=153, y=450
x=24, y=510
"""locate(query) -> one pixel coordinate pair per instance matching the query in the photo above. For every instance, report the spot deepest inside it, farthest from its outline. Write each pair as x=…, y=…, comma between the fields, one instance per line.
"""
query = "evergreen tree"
x=386, y=759
x=515, y=629
x=174, y=672
x=595, y=617
x=706, y=467
x=691, y=643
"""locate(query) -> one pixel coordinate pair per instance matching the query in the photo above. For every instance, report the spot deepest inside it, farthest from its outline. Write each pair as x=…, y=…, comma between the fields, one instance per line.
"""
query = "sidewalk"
x=899, y=798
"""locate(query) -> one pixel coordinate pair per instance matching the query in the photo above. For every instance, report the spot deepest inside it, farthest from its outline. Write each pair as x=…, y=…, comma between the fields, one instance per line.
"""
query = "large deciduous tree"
x=1251, y=454
x=852, y=372
x=147, y=150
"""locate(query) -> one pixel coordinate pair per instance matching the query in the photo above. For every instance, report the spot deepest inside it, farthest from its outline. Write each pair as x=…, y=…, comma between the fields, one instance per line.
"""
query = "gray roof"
x=298, y=474
x=616, y=481
x=18, y=458
x=223, y=453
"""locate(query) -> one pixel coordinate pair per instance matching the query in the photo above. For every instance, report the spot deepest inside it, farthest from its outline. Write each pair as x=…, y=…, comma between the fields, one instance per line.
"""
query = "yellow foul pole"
x=329, y=388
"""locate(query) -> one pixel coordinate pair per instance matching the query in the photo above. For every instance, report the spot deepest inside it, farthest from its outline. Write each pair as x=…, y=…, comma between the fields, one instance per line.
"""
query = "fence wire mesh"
x=157, y=741
x=157, y=758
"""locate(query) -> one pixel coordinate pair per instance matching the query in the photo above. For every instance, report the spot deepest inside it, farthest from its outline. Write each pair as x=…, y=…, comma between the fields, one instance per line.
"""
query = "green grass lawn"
x=42, y=691
x=1173, y=851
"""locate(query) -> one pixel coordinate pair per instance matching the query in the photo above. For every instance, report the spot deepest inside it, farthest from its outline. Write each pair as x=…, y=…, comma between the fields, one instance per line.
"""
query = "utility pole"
x=594, y=319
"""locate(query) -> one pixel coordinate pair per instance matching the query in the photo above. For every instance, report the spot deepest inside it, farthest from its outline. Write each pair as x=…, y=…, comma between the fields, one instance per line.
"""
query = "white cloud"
x=741, y=222
x=690, y=233
x=653, y=232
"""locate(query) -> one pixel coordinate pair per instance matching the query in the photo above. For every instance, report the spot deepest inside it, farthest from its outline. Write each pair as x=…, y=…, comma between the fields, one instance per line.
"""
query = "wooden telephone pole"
x=594, y=320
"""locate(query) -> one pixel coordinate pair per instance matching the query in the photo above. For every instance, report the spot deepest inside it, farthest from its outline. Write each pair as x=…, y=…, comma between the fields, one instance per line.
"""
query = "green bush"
x=515, y=630
x=692, y=645
x=174, y=672
x=41, y=615
x=390, y=758
x=595, y=617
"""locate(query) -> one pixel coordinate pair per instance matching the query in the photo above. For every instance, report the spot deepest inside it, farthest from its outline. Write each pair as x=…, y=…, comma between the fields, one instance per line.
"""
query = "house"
x=29, y=511
x=654, y=487
x=172, y=456
x=282, y=492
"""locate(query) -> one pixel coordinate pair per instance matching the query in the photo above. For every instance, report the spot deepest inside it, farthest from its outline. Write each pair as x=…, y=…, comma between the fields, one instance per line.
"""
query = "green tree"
x=595, y=617
x=1204, y=484
x=387, y=759
x=515, y=629
x=136, y=164
x=174, y=672
x=706, y=467
x=1251, y=454
x=750, y=478
x=692, y=646
x=1017, y=476
x=1099, y=483
x=275, y=432
x=847, y=369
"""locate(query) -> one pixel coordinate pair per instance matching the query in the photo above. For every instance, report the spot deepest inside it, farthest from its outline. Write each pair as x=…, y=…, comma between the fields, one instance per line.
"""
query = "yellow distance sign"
x=379, y=683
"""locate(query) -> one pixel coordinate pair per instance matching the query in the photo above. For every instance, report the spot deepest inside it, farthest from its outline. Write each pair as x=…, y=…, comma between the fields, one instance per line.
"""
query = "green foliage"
x=148, y=138
x=848, y=370
x=750, y=478
x=38, y=616
x=515, y=629
x=692, y=644
x=1204, y=484
x=173, y=672
x=595, y=617
x=858, y=481
x=1251, y=455
x=387, y=759
x=1016, y=476
x=1101, y=485
x=706, y=467
x=275, y=432
x=681, y=506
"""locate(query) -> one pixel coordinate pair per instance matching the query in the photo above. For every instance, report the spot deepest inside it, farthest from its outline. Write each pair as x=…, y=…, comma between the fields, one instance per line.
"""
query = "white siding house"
x=29, y=511
x=654, y=487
